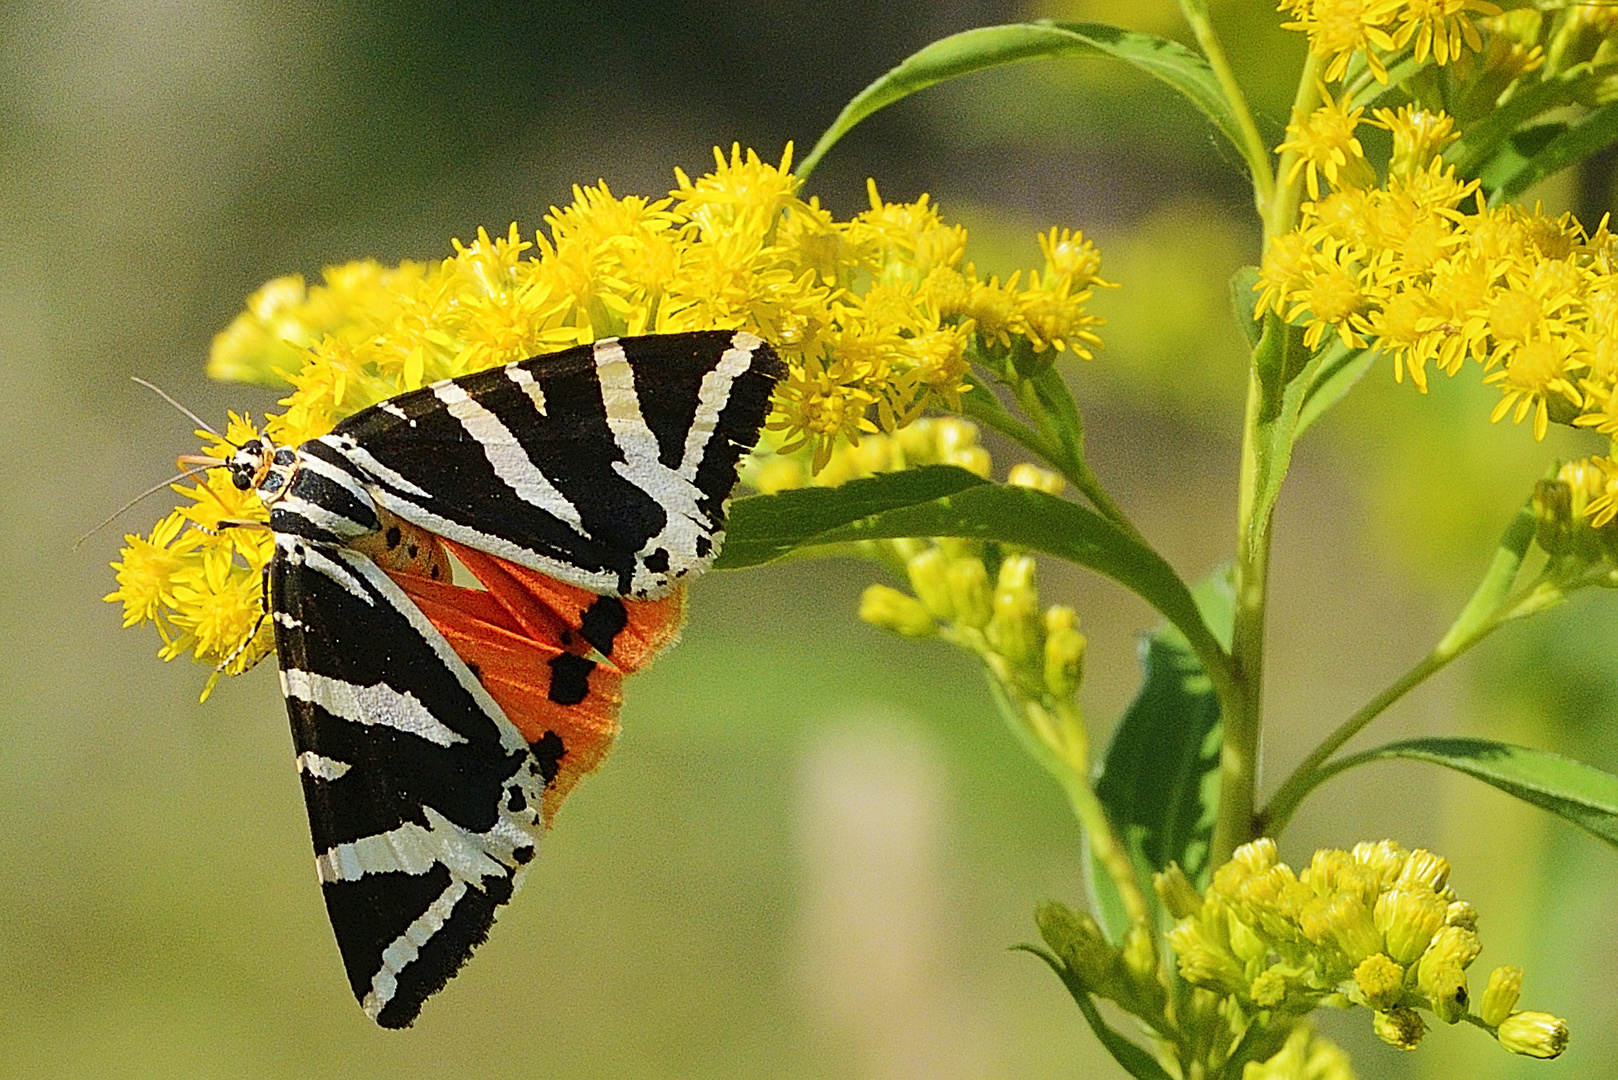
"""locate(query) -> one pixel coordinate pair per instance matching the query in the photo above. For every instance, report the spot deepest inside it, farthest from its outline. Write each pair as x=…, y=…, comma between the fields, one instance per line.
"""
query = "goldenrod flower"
x=1408, y=269
x=1327, y=146
x=1339, y=30
x=1440, y=27
x=878, y=319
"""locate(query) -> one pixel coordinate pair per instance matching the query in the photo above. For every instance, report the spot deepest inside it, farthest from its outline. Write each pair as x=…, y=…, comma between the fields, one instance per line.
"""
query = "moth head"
x=262, y=466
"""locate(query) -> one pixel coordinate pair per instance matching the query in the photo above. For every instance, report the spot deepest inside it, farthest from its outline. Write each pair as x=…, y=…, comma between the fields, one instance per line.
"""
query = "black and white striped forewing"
x=605, y=466
x=423, y=798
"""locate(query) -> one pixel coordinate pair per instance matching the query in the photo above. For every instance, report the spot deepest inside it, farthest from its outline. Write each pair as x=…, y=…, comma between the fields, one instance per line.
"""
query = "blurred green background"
x=813, y=843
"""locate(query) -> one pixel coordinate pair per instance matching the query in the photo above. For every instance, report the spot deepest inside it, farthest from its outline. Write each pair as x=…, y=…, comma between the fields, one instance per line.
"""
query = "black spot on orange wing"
x=570, y=678
x=602, y=623
x=548, y=751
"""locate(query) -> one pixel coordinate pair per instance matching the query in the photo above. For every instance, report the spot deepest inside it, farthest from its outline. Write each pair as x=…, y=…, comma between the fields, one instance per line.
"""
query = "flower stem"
x=1238, y=764
x=1253, y=148
x=1286, y=196
x=1546, y=591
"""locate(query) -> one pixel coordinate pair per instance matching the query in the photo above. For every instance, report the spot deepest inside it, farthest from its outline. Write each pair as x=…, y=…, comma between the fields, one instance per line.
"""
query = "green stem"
x=1242, y=702
x=1238, y=761
x=1472, y=626
x=1056, y=738
x=1064, y=455
x=1253, y=148
x=1282, y=212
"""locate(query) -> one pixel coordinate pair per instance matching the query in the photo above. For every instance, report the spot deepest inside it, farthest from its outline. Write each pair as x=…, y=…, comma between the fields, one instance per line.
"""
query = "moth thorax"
x=264, y=467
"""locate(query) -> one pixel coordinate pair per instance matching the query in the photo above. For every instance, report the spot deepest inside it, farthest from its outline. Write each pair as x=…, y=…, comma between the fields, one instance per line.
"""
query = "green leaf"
x=764, y=528
x=1159, y=781
x=1580, y=793
x=1532, y=154
x=941, y=500
x=1136, y=1061
x=993, y=46
x=1242, y=298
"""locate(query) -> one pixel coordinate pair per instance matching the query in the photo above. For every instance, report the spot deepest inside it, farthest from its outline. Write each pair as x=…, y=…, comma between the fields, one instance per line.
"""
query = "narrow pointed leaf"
x=1136, y=1061
x=764, y=528
x=993, y=46
x=941, y=500
x=1580, y=793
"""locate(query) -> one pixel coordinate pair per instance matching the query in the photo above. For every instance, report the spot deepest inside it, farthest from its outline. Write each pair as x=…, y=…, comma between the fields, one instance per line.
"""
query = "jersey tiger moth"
x=437, y=727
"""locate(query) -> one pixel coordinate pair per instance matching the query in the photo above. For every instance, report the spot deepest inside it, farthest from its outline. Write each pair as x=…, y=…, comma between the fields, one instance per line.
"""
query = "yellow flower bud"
x=1425, y=868
x=1452, y=946
x=1179, y=896
x=951, y=436
x=929, y=577
x=1016, y=630
x=1204, y=960
x=1534, y=1034
x=1381, y=980
x=1445, y=987
x=1402, y=1027
x=1345, y=920
x=1032, y=476
x=1500, y=996
x=1441, y=974
x=873, y=454
x=918, y=442
x=969, y=586
x=1408, y=919
x=974, y=459
x=1381, y=860
x=1064, y=652
x=893, y=610
x=1079, y=943
x=1461, y=914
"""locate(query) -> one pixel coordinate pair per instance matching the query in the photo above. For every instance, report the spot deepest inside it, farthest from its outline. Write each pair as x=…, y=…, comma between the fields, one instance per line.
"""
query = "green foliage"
x=1572, y=790
x=1174, y=798
x=1159, y=781
x=993, y=46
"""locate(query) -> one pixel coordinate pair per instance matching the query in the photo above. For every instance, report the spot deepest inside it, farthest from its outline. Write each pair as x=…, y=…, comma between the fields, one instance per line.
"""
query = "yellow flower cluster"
x=1407, y=269
x=877, y=317
x=1381, y=29
x=1378, y=926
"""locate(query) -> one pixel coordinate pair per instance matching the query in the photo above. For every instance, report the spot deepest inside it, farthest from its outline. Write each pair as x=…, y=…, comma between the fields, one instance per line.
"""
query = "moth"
x=438, y=726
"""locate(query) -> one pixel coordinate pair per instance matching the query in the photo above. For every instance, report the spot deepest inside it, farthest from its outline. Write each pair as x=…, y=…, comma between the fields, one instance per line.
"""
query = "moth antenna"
x=154, y=489
x=199, y=421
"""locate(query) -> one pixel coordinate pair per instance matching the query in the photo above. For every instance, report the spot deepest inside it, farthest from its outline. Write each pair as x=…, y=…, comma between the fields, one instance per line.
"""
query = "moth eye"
x=241, y=477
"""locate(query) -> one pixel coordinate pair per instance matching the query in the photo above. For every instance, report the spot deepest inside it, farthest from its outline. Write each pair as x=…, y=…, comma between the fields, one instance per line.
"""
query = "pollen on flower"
x=1326, y=146
x=1340, y=30
x=1422, y=271
x=878, y=318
